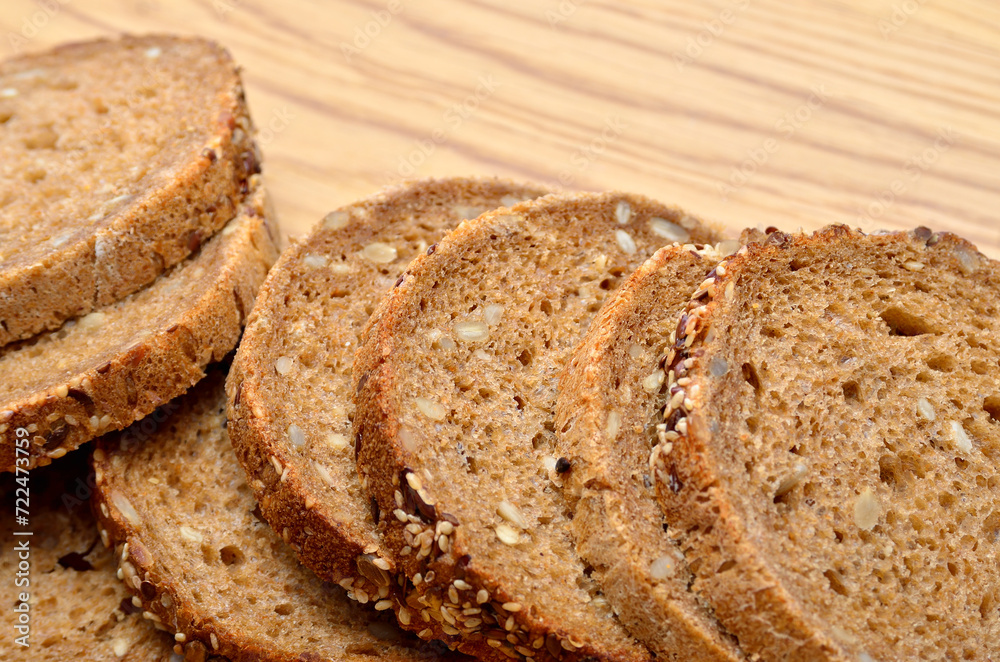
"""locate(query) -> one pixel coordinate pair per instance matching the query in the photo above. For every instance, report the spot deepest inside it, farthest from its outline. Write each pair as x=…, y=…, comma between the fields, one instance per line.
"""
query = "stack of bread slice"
x=476, y=417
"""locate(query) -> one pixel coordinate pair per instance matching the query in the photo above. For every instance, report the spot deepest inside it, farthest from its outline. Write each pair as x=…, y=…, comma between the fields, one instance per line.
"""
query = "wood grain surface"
x=880, y=113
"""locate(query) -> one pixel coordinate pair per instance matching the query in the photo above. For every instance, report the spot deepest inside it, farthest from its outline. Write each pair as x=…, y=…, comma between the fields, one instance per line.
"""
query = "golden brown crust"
x=307, y=319
x=425, y=528
x=58, y=268
x=618, y=526
x=763, y=598
x=120, y=363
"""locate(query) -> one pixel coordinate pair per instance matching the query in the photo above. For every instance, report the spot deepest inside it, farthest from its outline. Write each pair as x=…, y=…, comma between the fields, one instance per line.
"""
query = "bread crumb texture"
x=78, y=610
x=456, y=383
x=117, y=364
x=836, y=483
x=192, y=547
x=118, y=158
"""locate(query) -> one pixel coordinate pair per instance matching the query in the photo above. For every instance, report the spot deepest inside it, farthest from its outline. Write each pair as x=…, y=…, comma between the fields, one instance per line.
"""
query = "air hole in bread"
x=231, y=555
x=524, y=358
x=852, y=392
x=836, y=582
x=905, y=323
x=284, y=609
x=980, y=367
x=520, y=402
x=992, y=407
x=942, y=363
x=751, y=377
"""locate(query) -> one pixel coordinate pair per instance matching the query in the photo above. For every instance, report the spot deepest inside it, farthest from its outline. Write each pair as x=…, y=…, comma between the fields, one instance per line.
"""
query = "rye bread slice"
x=290, y=383
x=456, y=387
x=613, y=383
x=78, y=610
x=831, y=465
x=118, y=158
x=117, y=364
x=175, y=504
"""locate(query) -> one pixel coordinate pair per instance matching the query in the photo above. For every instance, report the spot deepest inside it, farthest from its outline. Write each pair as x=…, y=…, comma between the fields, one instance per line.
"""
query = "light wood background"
x=877, y=113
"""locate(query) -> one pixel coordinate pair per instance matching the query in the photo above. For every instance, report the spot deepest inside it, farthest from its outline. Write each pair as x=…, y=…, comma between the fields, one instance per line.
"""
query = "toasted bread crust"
x=112, y=249
x=618, y=526
x=429, y=537
x=80, y=386
x=756, y=593
x=299, y=501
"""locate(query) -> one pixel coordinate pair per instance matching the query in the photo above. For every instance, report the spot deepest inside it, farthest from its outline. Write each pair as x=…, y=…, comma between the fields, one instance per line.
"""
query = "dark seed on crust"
x=148, y=590
x=194, y=240
x=399, y=281
x=412, y=501
x=447, y=517
x=127, y=607
x=674, y=483
x=54, y=438
x=373, y=504
x=923, y=233
x=562, y=465
x=209, y=154
x=431, y=249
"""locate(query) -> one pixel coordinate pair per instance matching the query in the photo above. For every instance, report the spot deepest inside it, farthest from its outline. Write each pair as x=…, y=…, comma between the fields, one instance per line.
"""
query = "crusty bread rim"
x=404, y=503
x=368, y=573
x=73, y=281
x=96, y=399
x=689, y=487
x=647, y=605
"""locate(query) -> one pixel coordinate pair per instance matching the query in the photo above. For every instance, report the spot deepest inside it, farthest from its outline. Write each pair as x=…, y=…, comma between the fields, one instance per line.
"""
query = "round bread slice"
x=118, y=158
x=117, y=364
x=77, y=609
x=194, y=550
x=831, y=458
x=614, y=380
x=290, y=383
x=456, y=388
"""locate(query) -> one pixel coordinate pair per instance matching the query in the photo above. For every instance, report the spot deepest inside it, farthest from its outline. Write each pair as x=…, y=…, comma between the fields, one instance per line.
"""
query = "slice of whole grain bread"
x=455, y=395
x=118, y=158
x=614, y=380
x=77, y=609
x=290, y=405
x=115, y=365
x=192, y=547
x=831, y=463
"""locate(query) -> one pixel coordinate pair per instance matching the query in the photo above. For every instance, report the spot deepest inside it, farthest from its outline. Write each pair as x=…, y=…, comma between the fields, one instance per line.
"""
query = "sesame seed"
x=180, y=637
x=382, y=605
x=668, y=230
x=913, y=265
x=462, y=585
x=283, y=365
x=866, y=510
x=380, y=252
x=623, y=212
x=62, y=390
x=472, y=331
x=432, y=410
x=413, y=480
x=512, y=606
x=214, y=640
x=507, y=534
x=625, y=242
x=482, y=596
x=296, y=436
x=613, y=424
x=509, y=512
x=926, y=410
x=652, y=383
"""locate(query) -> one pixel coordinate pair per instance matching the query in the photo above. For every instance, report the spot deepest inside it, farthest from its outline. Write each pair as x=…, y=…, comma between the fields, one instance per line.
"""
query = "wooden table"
x=879, y=113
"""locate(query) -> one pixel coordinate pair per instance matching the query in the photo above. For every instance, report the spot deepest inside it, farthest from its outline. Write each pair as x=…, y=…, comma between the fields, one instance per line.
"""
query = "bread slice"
x=118, y=158
x=192, y=547
x=119, y=363
x=77, y=609
x=456, y=388
x=614, y=379
x=831, y=464
x=290, y=405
